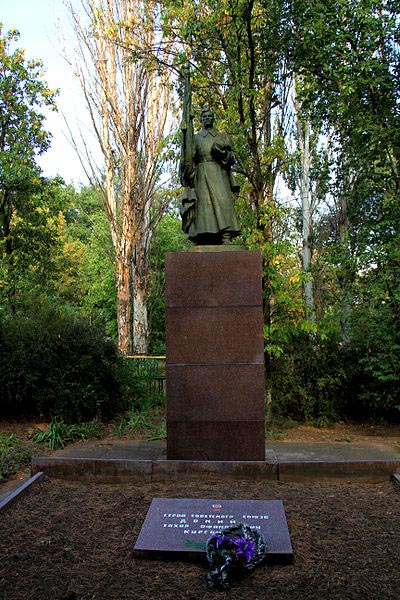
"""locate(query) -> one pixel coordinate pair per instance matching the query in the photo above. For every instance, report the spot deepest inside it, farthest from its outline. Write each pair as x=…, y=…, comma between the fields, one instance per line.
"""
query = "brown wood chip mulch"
x=73, y=540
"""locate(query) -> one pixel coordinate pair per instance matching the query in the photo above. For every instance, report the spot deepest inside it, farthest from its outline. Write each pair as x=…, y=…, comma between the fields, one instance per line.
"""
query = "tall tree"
x=26, y=233
x=349, y=66
x=303, y=181
x=128, y=99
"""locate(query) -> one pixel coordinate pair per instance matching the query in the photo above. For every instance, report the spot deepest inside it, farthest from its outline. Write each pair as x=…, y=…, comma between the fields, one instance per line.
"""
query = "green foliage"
x=348, y=64
x=58, y=433
x=22, y=93
x=374, y=353
x=159, y=432
x=317, y=379
x=84, y=281
x=308, y=381
x=54, y=436
x=13, y=459
x=135, y=420
x=28, y=225
x=88, y=280
x=13, y=456
x=28, y=254
x=139, y=420
x=168, y=237
x=8, y=441
x=56, y=364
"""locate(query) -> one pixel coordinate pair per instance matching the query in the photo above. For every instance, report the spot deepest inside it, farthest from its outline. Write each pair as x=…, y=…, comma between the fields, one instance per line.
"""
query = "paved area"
x=132, y=460
x=274, y=452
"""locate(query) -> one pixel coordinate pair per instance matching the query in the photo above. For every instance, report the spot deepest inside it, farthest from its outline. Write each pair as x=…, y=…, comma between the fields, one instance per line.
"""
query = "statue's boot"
x=226, y=237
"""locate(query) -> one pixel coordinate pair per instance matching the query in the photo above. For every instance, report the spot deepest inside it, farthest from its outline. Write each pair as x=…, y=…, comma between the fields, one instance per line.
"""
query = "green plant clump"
x=137, y=420
x=13, y=455
x=58, y=433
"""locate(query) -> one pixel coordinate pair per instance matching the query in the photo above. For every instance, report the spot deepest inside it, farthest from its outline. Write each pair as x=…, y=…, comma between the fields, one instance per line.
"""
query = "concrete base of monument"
x=180, y=527
x=88, y=462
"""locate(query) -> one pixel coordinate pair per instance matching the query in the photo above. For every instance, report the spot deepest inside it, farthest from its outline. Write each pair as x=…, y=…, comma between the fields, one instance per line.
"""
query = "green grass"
x=13, y=455
x=139, y=420
x=58, y=433
x=16, y=456
x=8, y=441
x=134, y=421
x=158, y=432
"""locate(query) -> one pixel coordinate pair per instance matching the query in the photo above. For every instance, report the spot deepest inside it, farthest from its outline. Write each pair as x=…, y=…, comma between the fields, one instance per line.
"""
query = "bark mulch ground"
x=64, y=538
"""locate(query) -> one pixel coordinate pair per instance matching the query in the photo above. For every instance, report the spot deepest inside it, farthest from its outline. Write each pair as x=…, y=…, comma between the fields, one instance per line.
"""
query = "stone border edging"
x=129, y=470
x=20, y=490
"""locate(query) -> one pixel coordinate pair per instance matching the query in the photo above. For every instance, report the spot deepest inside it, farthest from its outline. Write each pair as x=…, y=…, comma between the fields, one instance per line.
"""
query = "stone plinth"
x=215, y=356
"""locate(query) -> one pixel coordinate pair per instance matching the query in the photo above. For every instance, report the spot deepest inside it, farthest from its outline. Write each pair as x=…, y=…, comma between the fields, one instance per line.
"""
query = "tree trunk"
x=140, y=325
x=124, y=308
x=303, y=140
x=345, y=297
x=306, y=214
x=139, y=274
x=6, y=212
x=346, y=272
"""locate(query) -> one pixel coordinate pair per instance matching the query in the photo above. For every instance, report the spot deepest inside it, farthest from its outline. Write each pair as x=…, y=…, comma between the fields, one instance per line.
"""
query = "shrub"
x=56, y=364
x=374, y=382
x=308, y=381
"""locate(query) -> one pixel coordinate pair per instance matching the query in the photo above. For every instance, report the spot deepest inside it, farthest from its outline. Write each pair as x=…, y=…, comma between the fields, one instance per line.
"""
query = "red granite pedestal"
x=215, y=356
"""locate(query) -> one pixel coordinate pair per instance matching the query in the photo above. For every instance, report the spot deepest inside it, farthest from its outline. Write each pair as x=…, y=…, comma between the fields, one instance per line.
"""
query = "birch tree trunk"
x=303, y=141
x=345, y=296
x=128, y=100
x=124, y=311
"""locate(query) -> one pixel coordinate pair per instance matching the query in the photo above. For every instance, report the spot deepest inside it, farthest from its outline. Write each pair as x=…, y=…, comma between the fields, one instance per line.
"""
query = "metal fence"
x=148, y=372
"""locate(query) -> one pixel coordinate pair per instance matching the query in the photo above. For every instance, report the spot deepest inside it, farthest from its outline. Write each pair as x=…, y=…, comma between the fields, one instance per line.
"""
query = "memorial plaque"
x=181, y=526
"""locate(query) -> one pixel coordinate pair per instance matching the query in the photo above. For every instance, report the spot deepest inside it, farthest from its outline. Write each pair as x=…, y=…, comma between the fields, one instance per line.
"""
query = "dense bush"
x=322, y=382
x=374, y=383
x=308, y=382
x=56, y=364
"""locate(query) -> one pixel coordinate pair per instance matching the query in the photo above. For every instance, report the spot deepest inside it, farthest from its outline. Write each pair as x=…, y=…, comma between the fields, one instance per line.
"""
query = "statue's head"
x=207, y=117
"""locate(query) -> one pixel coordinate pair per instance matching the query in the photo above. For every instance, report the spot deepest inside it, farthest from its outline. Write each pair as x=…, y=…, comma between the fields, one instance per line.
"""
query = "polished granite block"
x=215, y=356
x=216, y=392
x=213, y=279
x=180, y=527
x=214, y=335
x=216, y=440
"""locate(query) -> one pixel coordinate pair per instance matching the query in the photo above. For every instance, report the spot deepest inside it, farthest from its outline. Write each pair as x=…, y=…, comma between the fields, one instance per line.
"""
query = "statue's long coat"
x=214, y=185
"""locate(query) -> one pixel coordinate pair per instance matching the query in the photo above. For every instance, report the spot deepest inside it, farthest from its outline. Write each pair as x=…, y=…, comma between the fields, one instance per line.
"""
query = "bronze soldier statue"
x=208, y=215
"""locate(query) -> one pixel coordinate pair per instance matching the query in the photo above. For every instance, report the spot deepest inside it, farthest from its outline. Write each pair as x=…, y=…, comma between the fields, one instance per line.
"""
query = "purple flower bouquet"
x=233, y=553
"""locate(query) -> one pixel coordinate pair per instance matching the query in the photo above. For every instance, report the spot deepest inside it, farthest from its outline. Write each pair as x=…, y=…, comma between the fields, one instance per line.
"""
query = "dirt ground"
x=289, y=431
x=338, y=432
x=70, y=541
x=66, y=540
